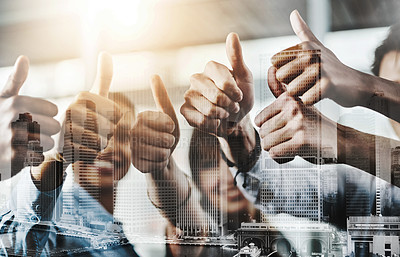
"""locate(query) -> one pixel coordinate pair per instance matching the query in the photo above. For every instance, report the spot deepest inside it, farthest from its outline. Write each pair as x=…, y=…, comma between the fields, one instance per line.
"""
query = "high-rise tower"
x=81, y=146
x=25, y=143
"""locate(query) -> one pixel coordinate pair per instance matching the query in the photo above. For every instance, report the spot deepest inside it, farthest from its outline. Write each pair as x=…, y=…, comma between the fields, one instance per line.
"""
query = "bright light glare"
x=121, y=18
x=117, y=12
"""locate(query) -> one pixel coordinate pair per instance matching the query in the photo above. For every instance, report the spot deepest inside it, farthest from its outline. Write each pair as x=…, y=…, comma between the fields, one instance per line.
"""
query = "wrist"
x=245, y=149
x=167, y=184
x=158, y=188
x=366, y=89
x=244, y=133
x=50, y=173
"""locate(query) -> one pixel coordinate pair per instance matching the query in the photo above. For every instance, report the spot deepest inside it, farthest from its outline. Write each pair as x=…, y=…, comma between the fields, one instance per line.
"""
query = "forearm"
x=169, y=189
x=358, y=149
x=383, y=96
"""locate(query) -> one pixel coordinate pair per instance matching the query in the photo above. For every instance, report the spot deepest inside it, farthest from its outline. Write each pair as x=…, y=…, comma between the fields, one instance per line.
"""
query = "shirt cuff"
x=28, y=203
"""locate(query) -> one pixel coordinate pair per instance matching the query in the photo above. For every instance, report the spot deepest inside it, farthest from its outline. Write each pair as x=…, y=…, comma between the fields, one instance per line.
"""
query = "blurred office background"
x=174, y=38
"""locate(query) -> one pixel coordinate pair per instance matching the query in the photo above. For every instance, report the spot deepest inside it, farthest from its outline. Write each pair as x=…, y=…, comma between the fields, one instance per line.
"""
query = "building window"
x=387, y=246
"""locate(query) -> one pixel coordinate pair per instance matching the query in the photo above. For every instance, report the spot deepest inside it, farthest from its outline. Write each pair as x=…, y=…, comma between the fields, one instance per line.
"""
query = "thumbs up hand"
x=91, y=119
x=219, y=98
x=12, y=104
x=94, y=137
x=156, y=133
x=312, y=71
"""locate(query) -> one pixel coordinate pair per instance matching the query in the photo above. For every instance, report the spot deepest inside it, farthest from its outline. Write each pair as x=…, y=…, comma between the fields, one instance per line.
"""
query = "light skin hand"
x=12, y=104
x=111, y=127
x=93, y=105
x=314, y=78
x=111, y=123
x=153, y=140
x=156, y=133
x=289, y=128
x=219, y=98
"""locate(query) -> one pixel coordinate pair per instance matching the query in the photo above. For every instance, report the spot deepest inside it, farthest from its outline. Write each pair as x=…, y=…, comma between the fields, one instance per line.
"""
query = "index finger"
x=34, y=105
x=271, y=110
x=102, y=83
x=285, y=56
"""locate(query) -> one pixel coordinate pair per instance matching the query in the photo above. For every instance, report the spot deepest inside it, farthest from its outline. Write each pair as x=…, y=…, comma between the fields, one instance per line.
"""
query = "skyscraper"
x=395, y=166
x=296, y=189
x=210, y=220
x=25, y=143
x=357, y=188
x=81, y=146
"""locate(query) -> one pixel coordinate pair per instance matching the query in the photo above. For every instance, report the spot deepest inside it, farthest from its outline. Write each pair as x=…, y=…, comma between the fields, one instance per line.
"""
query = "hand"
x=12, y=104
x=312, y=77
x=96, y=129
x=289, y=128
x=155, y=134
x=219, y=98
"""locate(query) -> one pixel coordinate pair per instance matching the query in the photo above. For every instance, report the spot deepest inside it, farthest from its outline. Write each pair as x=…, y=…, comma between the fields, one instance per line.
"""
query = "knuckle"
x=265, y=144
x=192, y=123
x=195, y=77
x=300, y=116
x=285, y=97
x=218, y=98
x=264, y=130
x=169, y=140
x=307, y=57
x=141, y=117
x=210, y=110
x=182, y=110
x=203, y=121
x=274, y=153
x=226, y=85
x=211, y=65
x=165, y=154
x=292, y=107
x=188, y=95
x=280, y=74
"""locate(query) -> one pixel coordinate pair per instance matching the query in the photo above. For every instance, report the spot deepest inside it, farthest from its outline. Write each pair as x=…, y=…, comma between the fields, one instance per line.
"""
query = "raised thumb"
x=102, y=83
x=235, y=55
x=163, y=102
x=17, y=77
x=301, y=29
